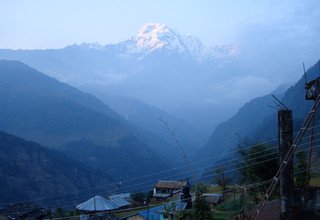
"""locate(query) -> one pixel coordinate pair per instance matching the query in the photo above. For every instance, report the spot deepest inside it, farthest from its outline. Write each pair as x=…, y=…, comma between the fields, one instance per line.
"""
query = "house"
x=168, y=210
x=166, y=188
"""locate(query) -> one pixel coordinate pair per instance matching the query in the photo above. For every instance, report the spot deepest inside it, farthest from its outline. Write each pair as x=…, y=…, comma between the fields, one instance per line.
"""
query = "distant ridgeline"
x=256, y=122
x=39, y=108
x=31, y=171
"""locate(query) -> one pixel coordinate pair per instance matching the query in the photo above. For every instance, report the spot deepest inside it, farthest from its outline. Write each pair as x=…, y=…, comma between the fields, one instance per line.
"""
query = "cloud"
x=276, y=45
x=240, y=89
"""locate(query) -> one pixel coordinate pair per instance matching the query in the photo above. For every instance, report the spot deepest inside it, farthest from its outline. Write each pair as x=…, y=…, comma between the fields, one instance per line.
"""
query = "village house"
x=166, y=188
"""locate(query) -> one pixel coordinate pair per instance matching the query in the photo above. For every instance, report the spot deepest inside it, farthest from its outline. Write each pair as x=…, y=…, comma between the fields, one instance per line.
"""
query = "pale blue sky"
x=30, y=24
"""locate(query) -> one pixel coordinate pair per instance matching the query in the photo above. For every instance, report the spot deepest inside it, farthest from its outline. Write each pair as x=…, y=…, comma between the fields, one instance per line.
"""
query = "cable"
x=138, y=186
x=252, y=185
x=144, y=175
x=142, y=186
x=247, y=187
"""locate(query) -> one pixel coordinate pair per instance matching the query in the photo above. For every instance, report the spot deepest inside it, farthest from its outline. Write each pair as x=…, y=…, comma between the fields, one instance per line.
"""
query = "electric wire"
x=168, y=169
x=138, y=186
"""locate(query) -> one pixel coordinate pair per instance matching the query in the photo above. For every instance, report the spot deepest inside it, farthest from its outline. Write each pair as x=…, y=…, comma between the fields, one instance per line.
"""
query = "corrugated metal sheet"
x=212, y=198
x=122, y=195
x=181, y=206
x=120, y=202
x=98, y=203
x=176, y=206
x=153, y=213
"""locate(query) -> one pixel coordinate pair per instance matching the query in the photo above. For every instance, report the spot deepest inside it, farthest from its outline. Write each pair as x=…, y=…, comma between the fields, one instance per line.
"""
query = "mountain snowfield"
x=155, y=37
x=152, y=38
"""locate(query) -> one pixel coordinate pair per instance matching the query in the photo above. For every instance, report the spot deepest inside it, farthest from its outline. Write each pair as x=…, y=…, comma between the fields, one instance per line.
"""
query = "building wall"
x=307, y=203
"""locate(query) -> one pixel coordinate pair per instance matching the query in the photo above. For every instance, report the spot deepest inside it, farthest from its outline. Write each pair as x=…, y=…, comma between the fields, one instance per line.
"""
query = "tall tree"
x=259, y=163
x=301, y=169
x=221, y=179
x=201, y=209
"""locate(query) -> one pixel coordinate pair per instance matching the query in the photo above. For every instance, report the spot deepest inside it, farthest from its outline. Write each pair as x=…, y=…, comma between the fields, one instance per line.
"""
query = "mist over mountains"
x=255, y=122
x=103, y=106
x=160, y=66
x=39, y=108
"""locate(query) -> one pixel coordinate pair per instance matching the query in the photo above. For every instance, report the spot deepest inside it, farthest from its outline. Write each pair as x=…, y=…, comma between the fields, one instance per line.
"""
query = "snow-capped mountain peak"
x=159, y=38
x=156, y=36
x=149, y=36
x=153, y=38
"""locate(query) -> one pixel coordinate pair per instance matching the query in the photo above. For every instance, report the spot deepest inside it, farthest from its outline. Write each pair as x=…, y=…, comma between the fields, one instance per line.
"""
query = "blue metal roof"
x=176, y=206
x=181, y=206
x=153, y=213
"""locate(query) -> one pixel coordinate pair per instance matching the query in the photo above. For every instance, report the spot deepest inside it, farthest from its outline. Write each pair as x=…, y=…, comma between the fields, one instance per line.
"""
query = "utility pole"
x=285, y=129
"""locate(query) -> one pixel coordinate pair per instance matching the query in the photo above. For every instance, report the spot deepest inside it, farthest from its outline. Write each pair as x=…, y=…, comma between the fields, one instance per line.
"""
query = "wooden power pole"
x=285, y=129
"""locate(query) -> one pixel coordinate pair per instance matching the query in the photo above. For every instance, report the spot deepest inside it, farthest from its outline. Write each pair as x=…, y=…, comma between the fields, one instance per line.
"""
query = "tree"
x=259, y=163
x=301, y=169
x=138, y=197
x=142, y=198
x=201, y=209
x=221, y=179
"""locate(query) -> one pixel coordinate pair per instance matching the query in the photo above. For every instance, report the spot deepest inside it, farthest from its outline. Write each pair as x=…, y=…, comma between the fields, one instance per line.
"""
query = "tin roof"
x=120, y=202
x=212, y=198
x=168, y=184
x=98, y=203
x=176, y=206
x=122, y=195
x=153, y=213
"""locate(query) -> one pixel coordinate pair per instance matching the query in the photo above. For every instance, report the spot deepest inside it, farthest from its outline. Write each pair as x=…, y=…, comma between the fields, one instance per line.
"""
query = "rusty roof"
x=168, y=184
x=271, y=211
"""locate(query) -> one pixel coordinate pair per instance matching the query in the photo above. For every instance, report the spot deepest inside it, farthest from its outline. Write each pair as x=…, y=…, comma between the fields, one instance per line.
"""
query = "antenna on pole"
x=281, y=103
x=305, y=75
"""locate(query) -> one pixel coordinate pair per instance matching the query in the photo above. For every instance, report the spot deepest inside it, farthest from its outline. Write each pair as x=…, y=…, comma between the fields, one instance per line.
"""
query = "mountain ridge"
x=165, y=77
x=38, y=108
x=154, y=37
x=232, y=132
x=31, y=171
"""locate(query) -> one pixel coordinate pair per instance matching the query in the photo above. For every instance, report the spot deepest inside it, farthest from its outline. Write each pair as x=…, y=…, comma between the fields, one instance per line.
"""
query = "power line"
x=288, y=156
x=148, y=185
x=155, y=173
x=130, y=180
x=248, y=186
